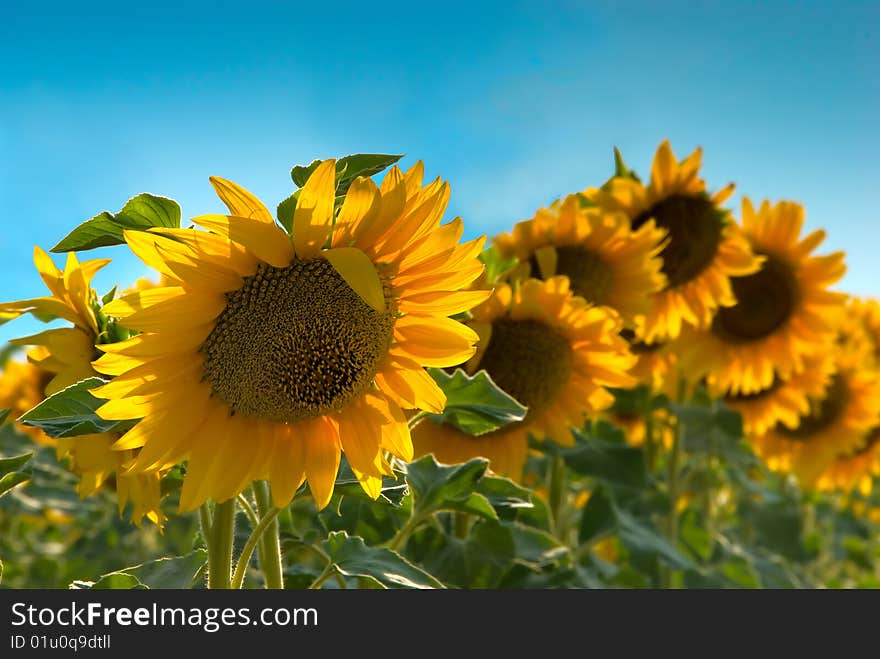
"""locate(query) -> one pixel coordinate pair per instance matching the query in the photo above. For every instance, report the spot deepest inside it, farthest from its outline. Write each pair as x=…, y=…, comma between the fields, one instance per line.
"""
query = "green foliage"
x=140, y=213
x=71, y=412
x=172, y=572
x=10, y=476
x=351, y=557
x=474, y=403
x=348, y=168
x=496, y=264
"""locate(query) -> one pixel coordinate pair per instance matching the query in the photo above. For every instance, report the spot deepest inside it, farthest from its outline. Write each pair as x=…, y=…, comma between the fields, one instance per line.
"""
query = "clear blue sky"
x=513, y=103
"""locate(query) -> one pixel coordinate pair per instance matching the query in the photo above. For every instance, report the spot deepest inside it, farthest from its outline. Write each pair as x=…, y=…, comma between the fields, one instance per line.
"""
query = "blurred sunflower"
x=634, y=427
x=551, y=351
x=854, y=471
x=271, y=354
x=860, y=329
x=703, y=248
x=784, y=402
x=836, y=425
x=63, y=357
x=783, y=313
x=606, y=262
x=656, y=365
x=21, y=387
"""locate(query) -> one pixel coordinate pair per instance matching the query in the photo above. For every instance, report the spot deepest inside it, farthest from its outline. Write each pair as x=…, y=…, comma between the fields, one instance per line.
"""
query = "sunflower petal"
x=313, y=216
x=358, y=272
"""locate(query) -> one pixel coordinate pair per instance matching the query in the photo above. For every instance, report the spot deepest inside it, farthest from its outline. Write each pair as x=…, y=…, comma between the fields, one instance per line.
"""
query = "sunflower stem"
x=255, y=537
x=399, y=540
x=556, y=488
x=650, y=445
x=673, y=491
x=220, y=547
x=206, y=523
x=270, y=543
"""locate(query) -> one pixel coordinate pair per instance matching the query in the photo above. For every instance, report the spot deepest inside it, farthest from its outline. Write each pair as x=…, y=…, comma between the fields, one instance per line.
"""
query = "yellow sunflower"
x=860, y=329
x=656, y=365
x=784, y=402
x=554, y=353
x=783, y=313
x=836, y=425
x=270, y=354
x=856, y=470
x=703, y=249
x=635, y=430
x=606, y=262
x=63, y=357
x=21, y=388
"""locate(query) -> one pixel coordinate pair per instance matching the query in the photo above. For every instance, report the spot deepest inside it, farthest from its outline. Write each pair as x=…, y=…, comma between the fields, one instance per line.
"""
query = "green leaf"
x=534, y=546
x=598, y=516
x=172, y=572
x=12, y=464
x=496, y=264
x=10, y=480
x=640, y=537
x=621, y=170
x=118, y=581
x=9, y=474
x=3, y=415
x=285, y=210
x=504, y=494
x=352, y=557
x=474, y=404
x=443, y=487
x=141, y=212
x=612, y=462
x=71, y=412
x=300, y=173
x=348, y=168
x=478, y=561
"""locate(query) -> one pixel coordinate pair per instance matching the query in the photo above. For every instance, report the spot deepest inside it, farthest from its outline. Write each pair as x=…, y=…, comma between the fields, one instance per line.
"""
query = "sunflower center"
x=823, y=415
x=529, y=360
x=694, y=225
x=294, y=343
x=639, y=347
x=590, y=276
x=764, y=303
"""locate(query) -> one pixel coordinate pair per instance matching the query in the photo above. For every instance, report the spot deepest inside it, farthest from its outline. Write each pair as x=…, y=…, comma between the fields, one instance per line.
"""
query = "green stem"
x=399, y=540
x=556, y=488
x=673, y=491
x=462, y=524
x=246, y=553
x=248, y=509
x=417, y=418
x=206, y=522
x=270, y=542
x=326, y=574
x=650, y=444
x=220, y=547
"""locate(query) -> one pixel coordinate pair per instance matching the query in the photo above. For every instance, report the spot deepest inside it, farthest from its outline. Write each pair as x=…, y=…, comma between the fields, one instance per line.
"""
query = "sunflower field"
x=637, y=387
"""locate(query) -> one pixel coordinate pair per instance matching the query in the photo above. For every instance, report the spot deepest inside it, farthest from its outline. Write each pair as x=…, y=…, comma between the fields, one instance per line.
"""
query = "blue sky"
x=513, y=103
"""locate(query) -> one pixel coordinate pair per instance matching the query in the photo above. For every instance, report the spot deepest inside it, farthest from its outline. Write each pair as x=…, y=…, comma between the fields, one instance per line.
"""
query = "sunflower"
x=63, y=357
x=860, y=329
x=855, y=470
x=783, y=313
x=635, y=429
x=836, y=425
x=703, y=249
x=270, y=354
x=656, y=365
x=21, y=387
x=784, y=402
x=551, y=351
x=606, y=262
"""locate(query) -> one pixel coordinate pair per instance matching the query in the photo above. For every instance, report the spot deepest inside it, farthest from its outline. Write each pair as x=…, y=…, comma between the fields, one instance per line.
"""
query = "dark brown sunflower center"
x=764, y=303
x=589, y=274
x=870, y=442
x=529, y=360
x=823, y=415
x=639, y=347
x=294, y=343
x=694, y=225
